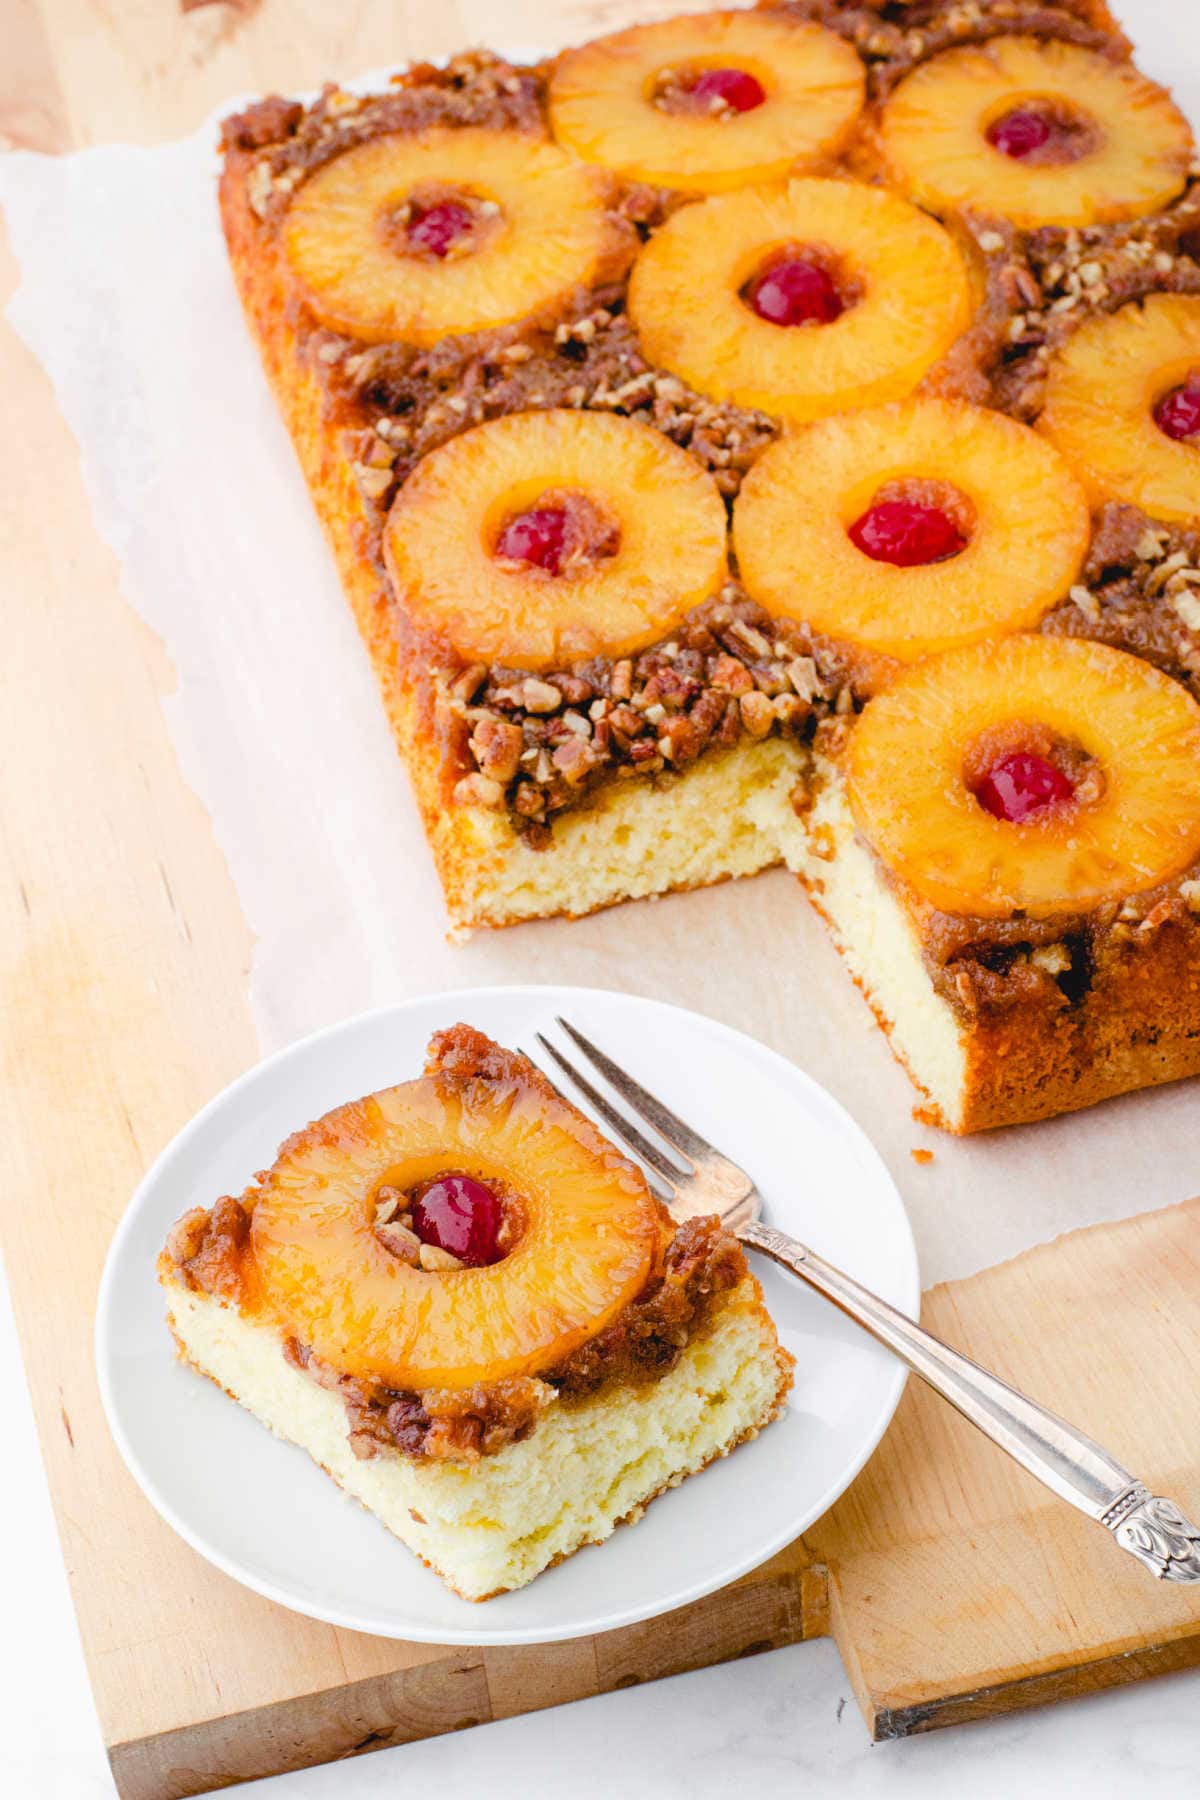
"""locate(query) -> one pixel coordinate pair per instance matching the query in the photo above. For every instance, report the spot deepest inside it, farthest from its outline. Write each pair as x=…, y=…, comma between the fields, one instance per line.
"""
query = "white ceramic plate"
x=262, y=1512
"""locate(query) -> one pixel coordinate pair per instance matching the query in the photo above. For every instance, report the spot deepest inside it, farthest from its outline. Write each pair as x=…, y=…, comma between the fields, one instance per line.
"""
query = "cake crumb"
x=921, y=1156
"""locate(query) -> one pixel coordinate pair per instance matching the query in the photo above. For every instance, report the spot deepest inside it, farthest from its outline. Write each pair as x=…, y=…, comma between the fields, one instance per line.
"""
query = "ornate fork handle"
x=1073, y=1465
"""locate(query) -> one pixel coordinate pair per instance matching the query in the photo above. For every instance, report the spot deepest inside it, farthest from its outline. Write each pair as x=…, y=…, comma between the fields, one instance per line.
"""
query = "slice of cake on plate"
x=470, y=1309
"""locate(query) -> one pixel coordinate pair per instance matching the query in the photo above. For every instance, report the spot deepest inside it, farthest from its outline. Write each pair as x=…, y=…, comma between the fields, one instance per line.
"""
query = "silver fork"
x=696, y=1181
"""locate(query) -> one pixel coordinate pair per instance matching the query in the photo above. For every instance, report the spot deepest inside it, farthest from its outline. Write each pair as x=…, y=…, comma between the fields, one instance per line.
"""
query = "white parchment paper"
x=126, y=299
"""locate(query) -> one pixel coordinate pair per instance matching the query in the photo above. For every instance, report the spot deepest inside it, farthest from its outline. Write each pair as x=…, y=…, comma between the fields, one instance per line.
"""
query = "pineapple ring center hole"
x=437, y=222
x=1024, y=771
x=559, y=532
x=913, y=522
x=448, y=1221
x=801, y=284
x=1043, y=131
x=708, y=91
x=1177, y=411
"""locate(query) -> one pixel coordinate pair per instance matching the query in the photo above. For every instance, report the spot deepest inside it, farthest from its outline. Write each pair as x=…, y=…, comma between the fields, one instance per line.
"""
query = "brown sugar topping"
x=210, y=1248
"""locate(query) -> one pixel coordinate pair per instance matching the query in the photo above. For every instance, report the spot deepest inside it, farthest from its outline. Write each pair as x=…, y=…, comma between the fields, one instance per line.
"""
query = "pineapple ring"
x=602, y=100
x=934, y=145
x=593, y=1233
x=1028, y=538
x=913, y=298
x=553, y=236
x=1101, y=392
x=670, y=553
x=909, y=794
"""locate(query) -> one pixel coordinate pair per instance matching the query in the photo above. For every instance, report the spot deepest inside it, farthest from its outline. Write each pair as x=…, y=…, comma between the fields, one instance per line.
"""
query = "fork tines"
x=674, y=1131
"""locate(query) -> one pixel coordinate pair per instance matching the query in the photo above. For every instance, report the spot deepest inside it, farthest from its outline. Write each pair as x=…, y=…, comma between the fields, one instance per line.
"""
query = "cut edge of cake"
x=1138, y=1026
x=637, y=841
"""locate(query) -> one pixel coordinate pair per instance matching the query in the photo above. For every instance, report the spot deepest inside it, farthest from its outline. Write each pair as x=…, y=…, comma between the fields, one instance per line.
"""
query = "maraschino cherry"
x=438, y=228
x=1177, y=414
x=1020, y=785
x=462, y=1216
x=795, y=292
x=1020, y=132
x=906, y=533
x=537, y=537
x=737, y=88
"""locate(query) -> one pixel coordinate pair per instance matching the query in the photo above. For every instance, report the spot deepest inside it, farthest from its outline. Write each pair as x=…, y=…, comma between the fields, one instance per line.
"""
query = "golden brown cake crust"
x=1043, y=1053
x=1138, y=1026
x=398, y=657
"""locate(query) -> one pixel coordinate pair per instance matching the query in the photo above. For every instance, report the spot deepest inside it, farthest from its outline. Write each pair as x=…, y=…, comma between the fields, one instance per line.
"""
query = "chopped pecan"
x=574, y=759
x=732, y=676
x=400, y=1240
x=758, y=715
x=540, y=696
x=433, y=1258
x=496, y=744
x=479, y=790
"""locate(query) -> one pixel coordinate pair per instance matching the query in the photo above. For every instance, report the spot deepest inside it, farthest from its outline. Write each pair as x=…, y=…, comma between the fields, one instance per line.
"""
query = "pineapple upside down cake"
x=774, y=436
x=470, y=1309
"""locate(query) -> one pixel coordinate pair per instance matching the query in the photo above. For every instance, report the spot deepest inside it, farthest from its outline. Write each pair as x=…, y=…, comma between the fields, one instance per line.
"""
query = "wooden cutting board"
x=954, y=1585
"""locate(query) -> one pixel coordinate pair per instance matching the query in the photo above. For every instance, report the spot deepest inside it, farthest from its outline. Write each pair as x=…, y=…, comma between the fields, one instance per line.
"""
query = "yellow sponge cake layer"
x=879, y=943
x=588, y=1466
x=635, y=841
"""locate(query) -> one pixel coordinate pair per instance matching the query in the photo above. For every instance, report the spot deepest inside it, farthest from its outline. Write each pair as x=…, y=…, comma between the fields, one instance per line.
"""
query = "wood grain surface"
x=954, y=1585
